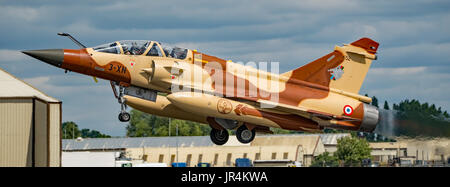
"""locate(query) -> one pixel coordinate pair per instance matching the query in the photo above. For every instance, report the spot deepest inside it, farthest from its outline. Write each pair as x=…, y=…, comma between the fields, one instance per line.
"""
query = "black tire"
x=219, y=137
x=124, y=117
x=244, y=135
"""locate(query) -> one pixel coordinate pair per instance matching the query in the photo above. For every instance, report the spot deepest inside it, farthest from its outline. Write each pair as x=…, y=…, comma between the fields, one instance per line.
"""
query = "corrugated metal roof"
x=14, y=87
x=121, y=143
x=183, y=141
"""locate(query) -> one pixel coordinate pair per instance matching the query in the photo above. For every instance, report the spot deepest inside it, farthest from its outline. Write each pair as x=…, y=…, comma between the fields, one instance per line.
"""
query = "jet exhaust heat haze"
x=387, y=124
x=393, y=123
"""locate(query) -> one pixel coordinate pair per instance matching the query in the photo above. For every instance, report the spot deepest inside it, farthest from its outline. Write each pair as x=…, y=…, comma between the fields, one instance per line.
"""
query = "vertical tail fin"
x=345, y=68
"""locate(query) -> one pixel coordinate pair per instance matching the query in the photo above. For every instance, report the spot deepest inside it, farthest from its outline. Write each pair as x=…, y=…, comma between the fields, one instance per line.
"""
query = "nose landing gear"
x=124, y=116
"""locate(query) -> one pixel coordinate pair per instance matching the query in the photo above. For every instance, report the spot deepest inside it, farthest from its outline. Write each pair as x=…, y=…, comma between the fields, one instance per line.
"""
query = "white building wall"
x=88, y=159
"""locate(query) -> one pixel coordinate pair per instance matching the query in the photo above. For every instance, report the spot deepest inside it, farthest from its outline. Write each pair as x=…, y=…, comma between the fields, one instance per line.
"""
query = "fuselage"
x=200, y=87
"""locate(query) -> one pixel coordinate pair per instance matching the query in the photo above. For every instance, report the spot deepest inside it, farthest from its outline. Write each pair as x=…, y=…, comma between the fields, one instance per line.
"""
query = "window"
x=154, y=51
x=200, y=157
x=216, y=157
x=161, y=158
x=229, y=159
x=188, y=160
x=274, y=156
x=257, y=156
x=174, y=52
x=172, y=158
x=134, y=47
x=245, y=155
x=145, y=157
x=285, y=155
x=108, y=48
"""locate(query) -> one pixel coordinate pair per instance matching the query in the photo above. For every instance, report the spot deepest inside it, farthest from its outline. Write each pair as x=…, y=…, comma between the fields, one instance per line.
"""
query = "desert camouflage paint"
x=224, y=94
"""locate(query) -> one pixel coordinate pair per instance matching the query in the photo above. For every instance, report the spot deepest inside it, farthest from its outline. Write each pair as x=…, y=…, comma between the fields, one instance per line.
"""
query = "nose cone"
x=53, y=57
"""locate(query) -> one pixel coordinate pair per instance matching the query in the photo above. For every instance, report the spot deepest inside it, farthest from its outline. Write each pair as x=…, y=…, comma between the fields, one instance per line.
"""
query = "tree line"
x=424, y=109
x=415, y=119
x=70, y=130
x=144, y=125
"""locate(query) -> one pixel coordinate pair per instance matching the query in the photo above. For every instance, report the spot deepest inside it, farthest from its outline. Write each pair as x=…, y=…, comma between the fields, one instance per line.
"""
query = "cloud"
x=397, y=84
x=23, y=14
x=68, y=85
x=7, y=55
x=398, y=71
x=413, y=58
x=422, y=54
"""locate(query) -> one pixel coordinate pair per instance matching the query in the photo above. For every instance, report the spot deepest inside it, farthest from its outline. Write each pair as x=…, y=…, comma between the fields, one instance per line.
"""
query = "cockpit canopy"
x=142, y=47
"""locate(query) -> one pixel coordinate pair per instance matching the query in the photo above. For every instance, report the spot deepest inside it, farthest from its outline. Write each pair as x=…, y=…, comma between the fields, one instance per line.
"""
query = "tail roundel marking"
x=348, y=110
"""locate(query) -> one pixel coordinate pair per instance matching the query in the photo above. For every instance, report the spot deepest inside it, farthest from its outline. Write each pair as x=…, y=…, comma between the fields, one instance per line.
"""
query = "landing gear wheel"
x=219, y=137
x=244, y=135
x=124, y=117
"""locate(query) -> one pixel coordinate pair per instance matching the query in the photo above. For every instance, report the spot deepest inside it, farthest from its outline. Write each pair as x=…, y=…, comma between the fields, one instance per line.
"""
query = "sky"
x=413, y=57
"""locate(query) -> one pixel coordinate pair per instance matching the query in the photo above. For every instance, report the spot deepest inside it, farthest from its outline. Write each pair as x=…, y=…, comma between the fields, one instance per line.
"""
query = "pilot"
x=142, y=49
x=167, y=51
x=135, y=49
x=178, y=53
x=125, y=50
x=153, y=51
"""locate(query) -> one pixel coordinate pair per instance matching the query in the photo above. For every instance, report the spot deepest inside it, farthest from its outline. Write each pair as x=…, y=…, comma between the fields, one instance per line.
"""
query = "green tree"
x=374, y=101
x=70, y=130
x=325, y=160
x=415, y=119
x=351, y=151
x=139, y=125
x=144, y=125
x=87, y=133
x=386, y=105
x=395, y=107
x=188, y=128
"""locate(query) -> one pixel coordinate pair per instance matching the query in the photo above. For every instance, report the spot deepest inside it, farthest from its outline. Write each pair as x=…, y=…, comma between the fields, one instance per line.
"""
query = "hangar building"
x=30, y=124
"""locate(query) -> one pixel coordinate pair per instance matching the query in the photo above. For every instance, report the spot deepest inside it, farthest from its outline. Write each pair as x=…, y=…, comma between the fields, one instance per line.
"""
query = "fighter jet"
x=189, y=85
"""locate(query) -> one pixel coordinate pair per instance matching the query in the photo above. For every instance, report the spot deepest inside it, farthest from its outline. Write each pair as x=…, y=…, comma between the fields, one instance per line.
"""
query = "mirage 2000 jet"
x=186, y=84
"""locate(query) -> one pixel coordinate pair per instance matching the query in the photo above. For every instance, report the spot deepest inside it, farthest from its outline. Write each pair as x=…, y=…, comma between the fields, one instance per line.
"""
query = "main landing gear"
x=124, y=116
x=219, y=137
x=243, y=134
